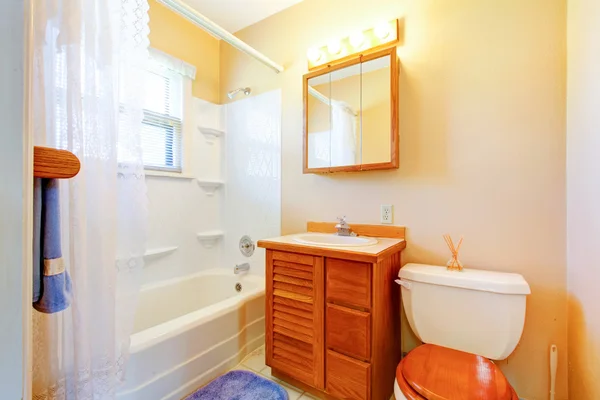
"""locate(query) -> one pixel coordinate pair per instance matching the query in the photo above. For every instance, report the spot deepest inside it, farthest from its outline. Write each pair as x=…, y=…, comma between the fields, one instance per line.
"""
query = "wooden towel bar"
x=54, y=163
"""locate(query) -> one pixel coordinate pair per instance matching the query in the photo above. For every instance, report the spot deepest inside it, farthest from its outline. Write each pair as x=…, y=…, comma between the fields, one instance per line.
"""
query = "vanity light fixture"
x=334, y=47
x=357, y=39
x=383, y=35
x=314, y=55
x=382, y=30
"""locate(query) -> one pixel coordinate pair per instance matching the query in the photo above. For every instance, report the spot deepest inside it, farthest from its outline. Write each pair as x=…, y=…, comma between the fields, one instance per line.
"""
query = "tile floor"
x=255, y=362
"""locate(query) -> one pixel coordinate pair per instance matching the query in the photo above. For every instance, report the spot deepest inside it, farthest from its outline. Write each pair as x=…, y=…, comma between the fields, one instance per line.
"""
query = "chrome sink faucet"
x=343, y=229
x=241, y=267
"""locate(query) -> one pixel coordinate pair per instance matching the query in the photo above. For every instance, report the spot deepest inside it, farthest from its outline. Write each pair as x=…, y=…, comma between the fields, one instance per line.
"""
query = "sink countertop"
x=370, y=253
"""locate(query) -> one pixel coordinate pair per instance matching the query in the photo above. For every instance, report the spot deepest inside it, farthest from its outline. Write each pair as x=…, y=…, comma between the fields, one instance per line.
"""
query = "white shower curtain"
x=343, y=134
x=87, y=99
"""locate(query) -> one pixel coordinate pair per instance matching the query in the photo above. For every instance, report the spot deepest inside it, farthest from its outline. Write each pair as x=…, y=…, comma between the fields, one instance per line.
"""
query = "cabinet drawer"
x=346, y=377
x=348, y=282
x=348, y=331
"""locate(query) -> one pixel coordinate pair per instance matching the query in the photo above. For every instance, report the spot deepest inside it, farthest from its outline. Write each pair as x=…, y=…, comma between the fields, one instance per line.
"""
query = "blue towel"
x=37, y=234
x=51, y=282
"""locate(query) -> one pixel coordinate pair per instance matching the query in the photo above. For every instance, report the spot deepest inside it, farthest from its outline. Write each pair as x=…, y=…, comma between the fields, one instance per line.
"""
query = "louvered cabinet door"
x=294, y=316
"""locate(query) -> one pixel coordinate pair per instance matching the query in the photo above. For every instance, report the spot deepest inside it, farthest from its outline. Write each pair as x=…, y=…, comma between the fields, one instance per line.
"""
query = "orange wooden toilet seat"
x=432, y=372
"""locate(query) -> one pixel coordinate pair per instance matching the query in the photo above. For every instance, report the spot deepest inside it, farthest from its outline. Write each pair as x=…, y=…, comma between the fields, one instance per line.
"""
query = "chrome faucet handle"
x=342, y=222
x=343, y=229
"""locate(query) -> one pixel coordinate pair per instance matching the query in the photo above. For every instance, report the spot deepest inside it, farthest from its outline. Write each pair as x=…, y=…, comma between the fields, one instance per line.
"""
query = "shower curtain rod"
x=194, y=16
x=318, y=95
x=324, y=99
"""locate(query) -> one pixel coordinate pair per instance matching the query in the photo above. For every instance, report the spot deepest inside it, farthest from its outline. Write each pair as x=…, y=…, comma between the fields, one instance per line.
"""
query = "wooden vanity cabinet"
x=332, y=321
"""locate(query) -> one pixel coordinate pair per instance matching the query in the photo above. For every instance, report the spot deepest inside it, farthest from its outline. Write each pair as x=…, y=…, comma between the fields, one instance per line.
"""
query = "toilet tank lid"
x=473, y=279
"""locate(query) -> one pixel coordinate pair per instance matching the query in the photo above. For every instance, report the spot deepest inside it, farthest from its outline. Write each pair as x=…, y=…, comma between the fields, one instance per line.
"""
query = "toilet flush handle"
x=406, y=285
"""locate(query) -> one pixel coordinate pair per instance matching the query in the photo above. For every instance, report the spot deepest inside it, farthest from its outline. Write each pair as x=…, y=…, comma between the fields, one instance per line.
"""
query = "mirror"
x=319, y=123
x=376, y=111
x=345, y=116
x=351, y=115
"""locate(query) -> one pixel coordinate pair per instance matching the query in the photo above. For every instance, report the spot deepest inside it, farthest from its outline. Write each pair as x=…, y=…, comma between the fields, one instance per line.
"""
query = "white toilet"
x=464, y=318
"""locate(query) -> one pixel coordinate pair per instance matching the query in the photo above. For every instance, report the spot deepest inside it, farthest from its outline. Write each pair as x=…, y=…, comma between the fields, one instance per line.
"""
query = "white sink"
x=323, y=239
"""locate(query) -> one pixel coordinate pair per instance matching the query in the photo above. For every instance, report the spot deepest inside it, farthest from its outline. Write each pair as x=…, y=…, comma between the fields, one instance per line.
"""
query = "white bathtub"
x=190, y=330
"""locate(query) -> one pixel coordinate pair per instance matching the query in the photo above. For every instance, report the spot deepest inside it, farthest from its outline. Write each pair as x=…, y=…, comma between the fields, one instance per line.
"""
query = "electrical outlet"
x=387, y=214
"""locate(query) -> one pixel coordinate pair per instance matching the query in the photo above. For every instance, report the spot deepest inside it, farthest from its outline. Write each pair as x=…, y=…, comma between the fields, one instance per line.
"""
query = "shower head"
x=246, y=91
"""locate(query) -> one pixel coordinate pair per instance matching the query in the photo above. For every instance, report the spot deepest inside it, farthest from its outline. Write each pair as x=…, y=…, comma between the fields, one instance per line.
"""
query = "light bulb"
x=382, y=30
x=313, y=54
x=357, y=39
x=334, y=47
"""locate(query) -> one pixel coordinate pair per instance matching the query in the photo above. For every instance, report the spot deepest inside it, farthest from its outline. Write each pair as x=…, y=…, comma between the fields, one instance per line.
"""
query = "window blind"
x=162, y=125
x=163, y=120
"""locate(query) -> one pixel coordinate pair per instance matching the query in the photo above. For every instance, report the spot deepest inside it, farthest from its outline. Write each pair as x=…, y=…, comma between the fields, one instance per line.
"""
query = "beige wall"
x=583, y=198
x=482, y=138
x=182, y=39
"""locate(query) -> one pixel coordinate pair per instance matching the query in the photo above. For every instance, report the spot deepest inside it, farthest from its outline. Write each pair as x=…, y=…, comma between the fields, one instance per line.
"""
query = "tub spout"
x=241, y=267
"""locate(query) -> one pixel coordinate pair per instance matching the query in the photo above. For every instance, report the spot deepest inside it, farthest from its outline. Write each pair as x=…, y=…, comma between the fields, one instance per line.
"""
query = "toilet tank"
x=475, y=311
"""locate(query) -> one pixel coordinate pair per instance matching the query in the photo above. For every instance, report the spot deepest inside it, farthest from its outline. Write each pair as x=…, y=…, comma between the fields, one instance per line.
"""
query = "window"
x=167, y=85
x=162, y=126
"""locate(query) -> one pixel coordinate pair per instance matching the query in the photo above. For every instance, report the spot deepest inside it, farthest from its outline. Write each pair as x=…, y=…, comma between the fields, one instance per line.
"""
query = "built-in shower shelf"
x=158, y=252
x=209, y=187
x=210, y=238
x=210, y=134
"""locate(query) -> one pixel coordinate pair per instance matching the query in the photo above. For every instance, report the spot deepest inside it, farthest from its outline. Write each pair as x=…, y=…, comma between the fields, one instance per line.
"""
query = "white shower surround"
x=180, y=208
x=247, y=159
x=253, y=176
x=190, y=328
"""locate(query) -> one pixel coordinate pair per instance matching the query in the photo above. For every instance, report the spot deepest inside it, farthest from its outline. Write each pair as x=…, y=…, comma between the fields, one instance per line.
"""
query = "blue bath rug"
x=240, y=385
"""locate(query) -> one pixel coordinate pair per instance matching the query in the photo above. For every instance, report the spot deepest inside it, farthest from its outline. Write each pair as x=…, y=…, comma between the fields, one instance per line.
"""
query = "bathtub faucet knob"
x=247, y=246
x=241, y=267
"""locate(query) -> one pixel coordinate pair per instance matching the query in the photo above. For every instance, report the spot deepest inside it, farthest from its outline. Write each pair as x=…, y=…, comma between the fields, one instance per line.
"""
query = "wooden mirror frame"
x=394, y=162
